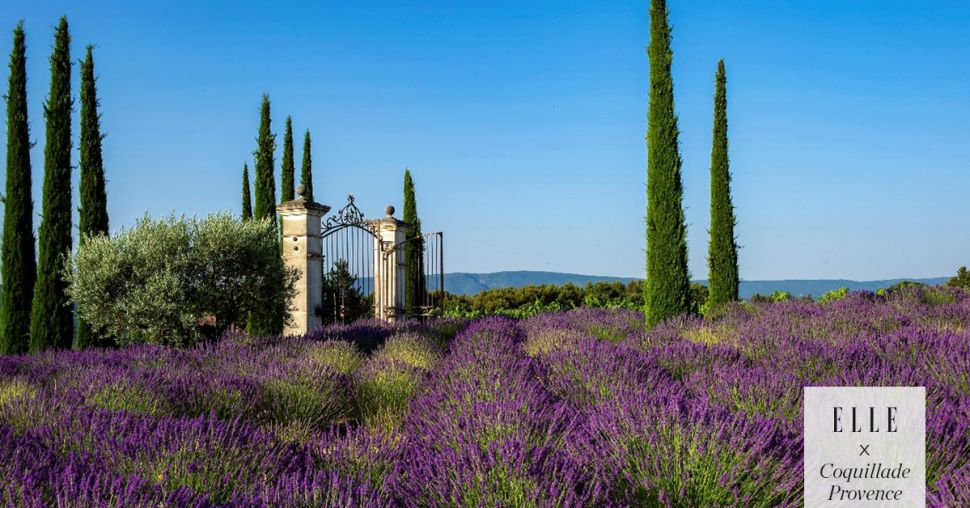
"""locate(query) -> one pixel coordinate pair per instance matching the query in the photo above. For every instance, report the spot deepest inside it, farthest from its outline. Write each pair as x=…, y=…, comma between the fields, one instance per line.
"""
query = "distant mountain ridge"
x=471, y=283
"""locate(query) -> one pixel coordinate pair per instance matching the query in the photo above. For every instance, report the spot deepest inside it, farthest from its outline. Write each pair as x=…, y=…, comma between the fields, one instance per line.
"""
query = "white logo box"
x=865, y=446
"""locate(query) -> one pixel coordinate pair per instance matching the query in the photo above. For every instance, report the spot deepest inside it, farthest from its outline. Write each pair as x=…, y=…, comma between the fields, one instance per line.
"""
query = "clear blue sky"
x=523, y=122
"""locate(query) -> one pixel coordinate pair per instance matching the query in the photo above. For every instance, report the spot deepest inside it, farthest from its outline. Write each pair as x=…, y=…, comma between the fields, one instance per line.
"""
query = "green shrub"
x=179, y=281
x=903, y=285
x=698, y=298
x=833, y=295
x=777, y=296
x=932, y=296
x=922, y=293
x=961, y=279
x=527, y=301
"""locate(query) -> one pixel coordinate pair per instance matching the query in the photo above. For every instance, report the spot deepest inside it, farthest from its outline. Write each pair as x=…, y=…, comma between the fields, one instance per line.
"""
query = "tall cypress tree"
x=306, y=174
x=722, y=258
x=270, y=320
x=19, y=267
x=668, y=281
x=247, y=202
x=51, y=319
x=410, y=213
x=287, y=170
x=94, y=199
x=265, y=205
x=413, y=249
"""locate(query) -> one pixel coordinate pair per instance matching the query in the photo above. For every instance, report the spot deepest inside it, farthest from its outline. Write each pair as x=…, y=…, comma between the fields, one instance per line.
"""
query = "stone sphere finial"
x=389, y=210
x=300, y=191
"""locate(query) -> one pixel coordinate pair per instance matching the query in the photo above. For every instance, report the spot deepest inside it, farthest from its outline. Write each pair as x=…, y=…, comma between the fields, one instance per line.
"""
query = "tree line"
x=35, y=310
x=667, y=291
x=533, y=299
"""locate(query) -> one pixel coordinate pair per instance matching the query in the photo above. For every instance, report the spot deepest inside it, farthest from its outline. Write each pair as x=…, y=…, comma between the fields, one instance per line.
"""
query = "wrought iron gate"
x=348, y=265
x=423, y=275
x=357, y=265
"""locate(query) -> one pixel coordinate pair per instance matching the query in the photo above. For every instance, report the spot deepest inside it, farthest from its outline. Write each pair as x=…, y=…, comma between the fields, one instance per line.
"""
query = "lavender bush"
x=582, y=408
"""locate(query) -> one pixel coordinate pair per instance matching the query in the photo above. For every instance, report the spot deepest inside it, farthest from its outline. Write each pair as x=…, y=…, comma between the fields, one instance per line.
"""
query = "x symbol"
x=865, y=450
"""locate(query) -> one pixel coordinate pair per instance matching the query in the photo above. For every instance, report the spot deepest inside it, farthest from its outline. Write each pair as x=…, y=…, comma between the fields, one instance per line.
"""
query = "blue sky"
x=523, y=122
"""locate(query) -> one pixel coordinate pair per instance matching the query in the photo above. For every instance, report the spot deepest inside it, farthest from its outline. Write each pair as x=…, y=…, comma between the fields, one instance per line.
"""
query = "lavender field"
x=582, y=408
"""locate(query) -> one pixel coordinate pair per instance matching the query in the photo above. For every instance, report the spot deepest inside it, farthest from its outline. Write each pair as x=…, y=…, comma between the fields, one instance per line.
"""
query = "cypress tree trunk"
x=723, y=251
x=306, y=174
x=265, y=205
x=19, y=267
x=247, y=203
x=94, y=200
x=51, y=319
x=668, y=281
x=286, y=179
x=413, y=249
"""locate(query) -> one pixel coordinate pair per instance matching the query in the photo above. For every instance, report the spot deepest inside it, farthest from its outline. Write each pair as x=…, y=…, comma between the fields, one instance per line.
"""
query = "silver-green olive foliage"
x=179, y=281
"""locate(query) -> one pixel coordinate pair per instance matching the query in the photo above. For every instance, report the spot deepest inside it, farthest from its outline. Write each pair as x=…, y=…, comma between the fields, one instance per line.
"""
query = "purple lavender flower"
x=579, y=408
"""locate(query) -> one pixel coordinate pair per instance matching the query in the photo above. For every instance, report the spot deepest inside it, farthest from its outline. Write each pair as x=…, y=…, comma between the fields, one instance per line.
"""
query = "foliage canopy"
x=178, y=281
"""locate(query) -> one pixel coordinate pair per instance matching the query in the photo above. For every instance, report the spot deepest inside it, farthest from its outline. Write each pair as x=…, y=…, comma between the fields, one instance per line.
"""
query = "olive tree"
x=178, y=281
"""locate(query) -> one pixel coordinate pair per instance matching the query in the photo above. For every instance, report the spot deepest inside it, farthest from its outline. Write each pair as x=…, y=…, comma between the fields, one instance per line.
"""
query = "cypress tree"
x=94, y=199
x=51, y=319
x=265, y=205
x=19, y=266
x=247, y=203
x=306, y=174
x=410, y=214
x=286, y=178
x=413, y=248
x=723, y=251
x=269, y=321
x=668, y=281
x=247, y=212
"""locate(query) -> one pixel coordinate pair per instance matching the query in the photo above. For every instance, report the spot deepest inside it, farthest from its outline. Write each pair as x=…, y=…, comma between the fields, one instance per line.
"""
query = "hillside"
x=471, y=283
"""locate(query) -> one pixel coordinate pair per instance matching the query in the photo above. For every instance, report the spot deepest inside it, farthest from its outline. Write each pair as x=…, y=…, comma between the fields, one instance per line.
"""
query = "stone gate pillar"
x=389, y=269
x=302, y=249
